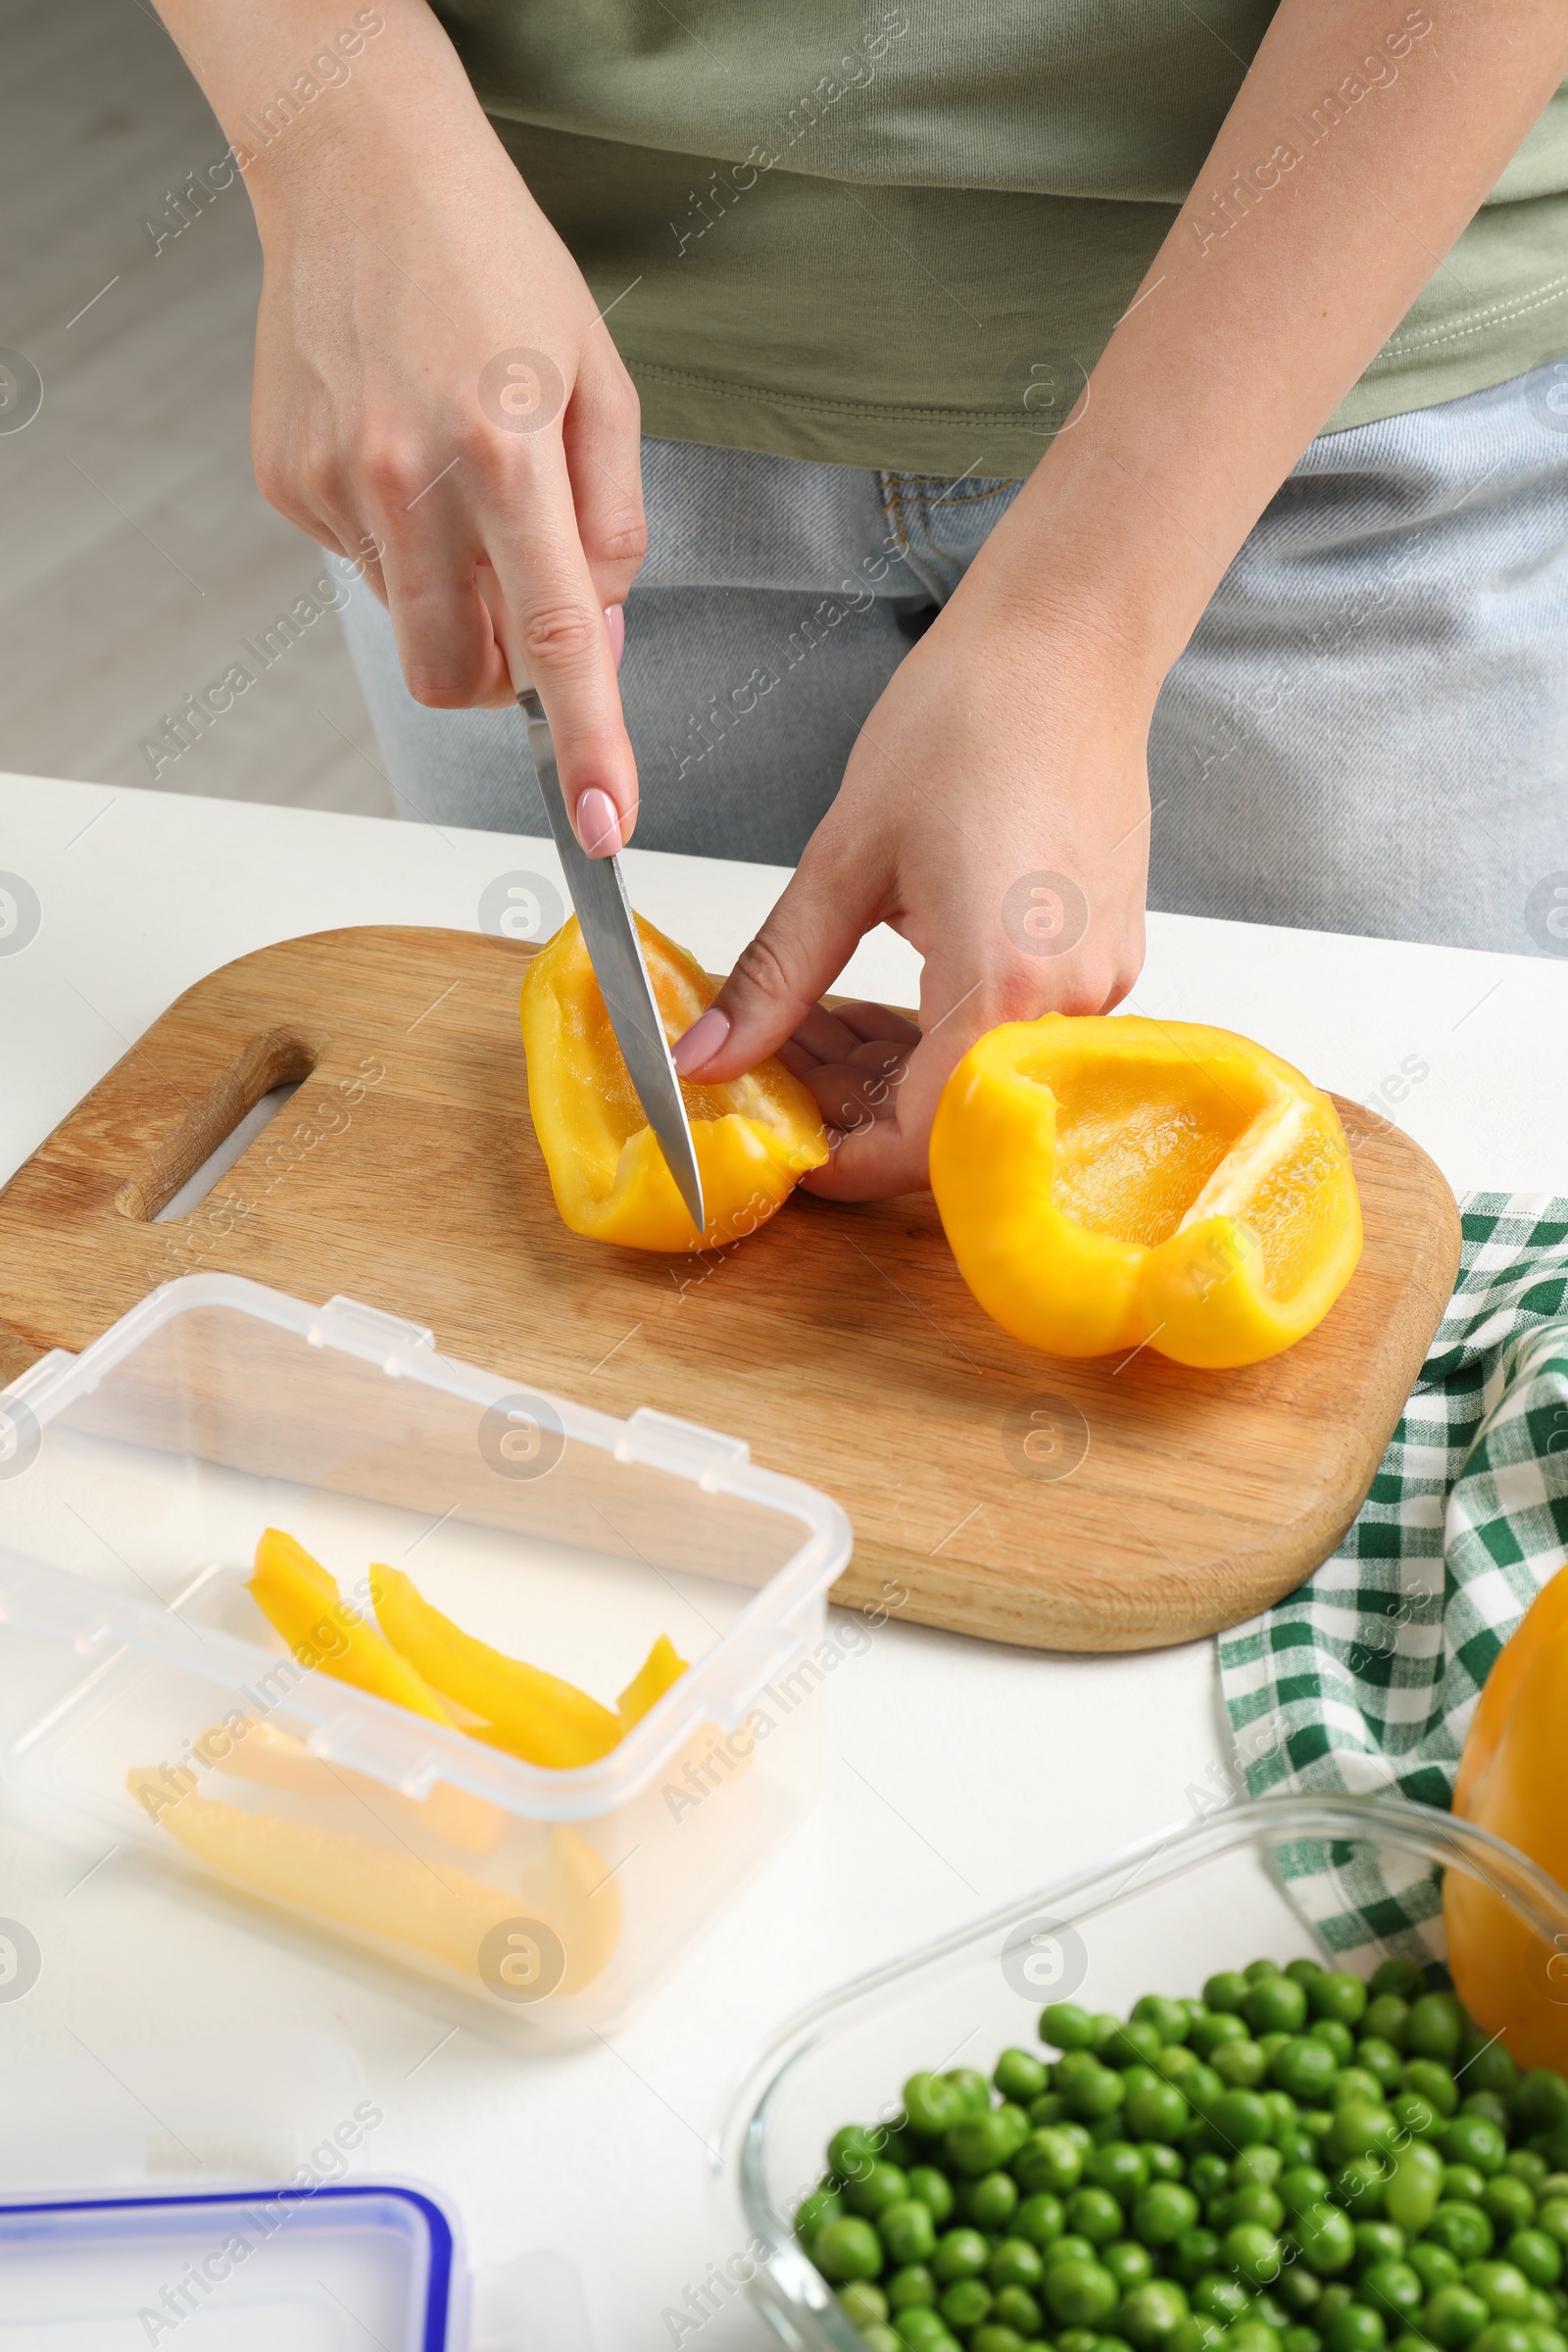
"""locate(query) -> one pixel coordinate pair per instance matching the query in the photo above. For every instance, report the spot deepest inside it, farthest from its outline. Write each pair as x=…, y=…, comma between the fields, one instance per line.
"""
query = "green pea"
x=1302, y=2339
x=1362, y=2187
x=933, y=2190
x=1454, y=2315
x=1078, y=2339
x=1039, y=2219
x=1326, y=2238
x=964, y=2304
x=1255, y=2203
x=996, y=2337
x=1485, y=2064
x=1301, y=2186
x=1151, y=2314
x=971, y=2086
x=1358, y=2329
x=1119, y=2167
x=931, y=2104
x=1502, y=2288
x=1378, y=2241
x=1194, y=2252
x=1168, y=2018
x=908, y=2231
x=1163, y=2212
x=1414, y=2114
x=1217, y=2296
x=1437, y=2027
x=847, y=2249
x=1015, y=2307
x=1415, y=2187
x=1306, y=2067
x=1393, y=2290
x=1298, y=2147
x=1016, y=2263
x=822, y=2205
x=960, y=2254
x=1354, y=2087
x=1433, y=2265
x=871, y=2191
x=850, y=2152
x=1081, y=2294
x=1276, y=2005
x=1297, y=2289
x=1336, y=2035
x=1526, y=2165
x=1463, y=2182
x=1503, y=2335
x=1474, y=2140
x=1094, y=2214
x=1241, y=2065
x=1240, y=2117
x=1128, y=2262
x=1541, y=2103
x=1509, y=2201
x=1157, y=2112
x=983, y=2144
x=1095, y=2095
x=1063, y=2025
x=989, y=2202
x=1387, y=2018
x=1018, y=2075
x=1213, y=2031
x=1552, y=2216
x=1433, y=2082
x=862, y=2304
x=1049, y=2108
x=1463, y=2227
x=1333, y=2301
x=1252, y=2252
x=1544, y=2336
x=1538, y=2254
x=1227, y=1990
x=1397, y=1976
x=1381, y=2060
x=923, y=2330
x=1164, y=2163
x=1137, y=2043
x=1360, y=2129
x=1284, y=2115
x=1337, y=1995
x=912, y=2288
x=1049, y=2159
x=878, y=2338
x=1252, y=2335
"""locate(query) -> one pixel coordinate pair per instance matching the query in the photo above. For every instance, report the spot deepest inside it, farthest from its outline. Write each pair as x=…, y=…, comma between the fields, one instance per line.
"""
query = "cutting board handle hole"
x=213, y=1133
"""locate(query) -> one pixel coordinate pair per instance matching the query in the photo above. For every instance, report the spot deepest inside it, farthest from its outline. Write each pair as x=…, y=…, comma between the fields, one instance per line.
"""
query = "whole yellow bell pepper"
x=1511, y=1781
x=1108, y=1182
x=755, y=1137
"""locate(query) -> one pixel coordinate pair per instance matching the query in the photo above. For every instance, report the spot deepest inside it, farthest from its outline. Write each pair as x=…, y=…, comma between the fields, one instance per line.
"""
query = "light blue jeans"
x=1368, y=731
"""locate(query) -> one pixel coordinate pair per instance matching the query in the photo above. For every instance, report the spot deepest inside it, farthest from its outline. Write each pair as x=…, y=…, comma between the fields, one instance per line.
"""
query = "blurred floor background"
x=135, y=550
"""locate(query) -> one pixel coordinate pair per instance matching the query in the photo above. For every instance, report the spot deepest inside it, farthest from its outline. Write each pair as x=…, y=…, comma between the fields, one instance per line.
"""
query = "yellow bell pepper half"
x=302, y=1600
x=1512, y=1779
x=754, y=1135
x=1107, y=1182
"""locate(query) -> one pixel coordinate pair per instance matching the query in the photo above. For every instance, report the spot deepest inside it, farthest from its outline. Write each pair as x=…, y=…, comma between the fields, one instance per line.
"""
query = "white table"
x=601, y=2154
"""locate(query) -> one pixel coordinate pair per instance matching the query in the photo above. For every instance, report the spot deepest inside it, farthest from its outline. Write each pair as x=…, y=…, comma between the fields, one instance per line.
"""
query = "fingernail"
x=598, y=822
x=615, y=623
x=701, y=1042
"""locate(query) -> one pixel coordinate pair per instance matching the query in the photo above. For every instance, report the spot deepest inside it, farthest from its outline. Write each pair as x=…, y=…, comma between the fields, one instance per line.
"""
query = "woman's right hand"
x=435, y=396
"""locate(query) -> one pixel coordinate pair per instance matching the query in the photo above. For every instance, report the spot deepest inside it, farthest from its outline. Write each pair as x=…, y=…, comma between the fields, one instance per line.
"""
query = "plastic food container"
x=1158, y=1918
x=143, y=1692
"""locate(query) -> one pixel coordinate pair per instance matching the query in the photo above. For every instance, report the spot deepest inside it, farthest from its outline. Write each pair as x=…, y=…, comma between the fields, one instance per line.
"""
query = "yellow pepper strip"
x=571, y=1883
x=1110, y=1182
x=251, y=1749
x=527, y=1712
x=378, y=1890
x=662, y=1666
x=755, y=1137
x=307, y=1609
x=1512, y=1779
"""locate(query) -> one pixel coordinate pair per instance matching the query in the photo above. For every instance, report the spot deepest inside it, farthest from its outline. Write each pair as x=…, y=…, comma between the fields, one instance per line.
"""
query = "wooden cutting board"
x=1072, y=1505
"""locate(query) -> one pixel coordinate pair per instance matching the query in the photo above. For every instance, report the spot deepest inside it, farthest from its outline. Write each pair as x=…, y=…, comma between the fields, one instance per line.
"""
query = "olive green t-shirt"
x=899, y=233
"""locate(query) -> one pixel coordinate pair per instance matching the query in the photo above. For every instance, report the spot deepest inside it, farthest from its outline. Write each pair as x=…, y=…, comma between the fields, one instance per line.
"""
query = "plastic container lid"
x=235, y=2270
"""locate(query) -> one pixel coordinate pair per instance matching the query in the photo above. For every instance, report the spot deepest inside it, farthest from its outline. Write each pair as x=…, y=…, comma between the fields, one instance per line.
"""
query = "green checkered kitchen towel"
x=1365, y=1680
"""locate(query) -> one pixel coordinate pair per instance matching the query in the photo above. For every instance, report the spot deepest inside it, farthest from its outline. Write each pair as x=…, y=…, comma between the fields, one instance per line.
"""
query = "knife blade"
x=599, y=895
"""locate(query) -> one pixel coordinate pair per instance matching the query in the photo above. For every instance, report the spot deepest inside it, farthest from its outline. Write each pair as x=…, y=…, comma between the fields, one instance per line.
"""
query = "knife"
x=615, y=949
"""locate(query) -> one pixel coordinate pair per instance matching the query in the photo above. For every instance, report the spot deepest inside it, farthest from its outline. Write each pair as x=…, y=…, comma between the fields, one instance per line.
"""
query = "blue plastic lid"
x=330, y=2269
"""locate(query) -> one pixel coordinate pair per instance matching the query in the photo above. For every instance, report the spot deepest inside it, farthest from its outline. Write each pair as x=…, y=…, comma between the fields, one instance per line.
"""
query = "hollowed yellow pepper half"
x=755, y=1137
x=1512, y=1776
x=1108, y=1182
